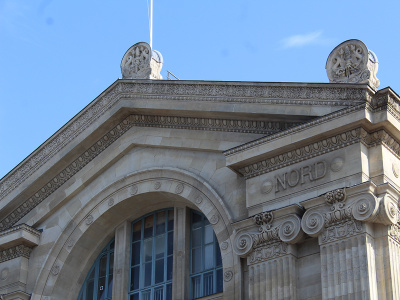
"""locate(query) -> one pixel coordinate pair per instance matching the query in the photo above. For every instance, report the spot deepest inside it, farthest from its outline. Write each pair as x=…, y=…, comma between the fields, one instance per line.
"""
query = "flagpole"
x=151, y=23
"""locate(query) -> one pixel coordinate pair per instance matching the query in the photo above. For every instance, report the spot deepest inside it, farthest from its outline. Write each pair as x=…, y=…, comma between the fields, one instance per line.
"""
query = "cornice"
x=294, y=130
x=320, y=147
x=18, y=228
x=235, y=92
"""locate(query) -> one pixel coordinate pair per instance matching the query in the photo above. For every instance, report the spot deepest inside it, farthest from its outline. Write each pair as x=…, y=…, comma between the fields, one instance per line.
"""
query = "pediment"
x=232, y=108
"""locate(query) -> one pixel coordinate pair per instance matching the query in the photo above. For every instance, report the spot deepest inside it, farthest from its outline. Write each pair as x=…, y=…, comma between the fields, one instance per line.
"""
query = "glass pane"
x=135, y=273
x=170, y=243
x=208, y=284
x=146, y=295
x=159, y=293
x=92, y=274
x=196, y=260
x=103, y=266
x=169, y=292
x=148, y=226
x=111, y=264
x=90, y=289
x=206, y=222
x=160, y=246
x=101, y=288
x=220, y=283
x=196, y=238
x=208, y=234
x=160, y=222
x=169, y=267
x=196, y=220
x=148, y=249
x=218, y=255
x=134, y=297
x=170, y=220
x=110, y=284
x=135, y=253
x=159, y=272
x=209, y=257
x=147, y=274
x=136, y=231
x=196, y=287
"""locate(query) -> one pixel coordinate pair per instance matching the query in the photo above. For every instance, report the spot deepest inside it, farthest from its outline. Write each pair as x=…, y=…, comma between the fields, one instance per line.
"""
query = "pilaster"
x=267, y=242
x=345, y=222
x=121, y=261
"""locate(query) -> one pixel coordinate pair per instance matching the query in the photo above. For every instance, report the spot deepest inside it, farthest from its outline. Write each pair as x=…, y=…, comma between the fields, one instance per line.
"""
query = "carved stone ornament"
x=343, y=216
x=14, y=252
x=287, y=231
x=141, y=62
x=352, y=62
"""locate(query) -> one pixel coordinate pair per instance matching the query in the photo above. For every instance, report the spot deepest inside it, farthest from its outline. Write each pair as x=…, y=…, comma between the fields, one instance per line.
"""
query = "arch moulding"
x=125, y=200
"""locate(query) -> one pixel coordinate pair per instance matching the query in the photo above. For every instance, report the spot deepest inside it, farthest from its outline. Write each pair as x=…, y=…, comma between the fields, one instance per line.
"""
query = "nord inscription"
x=302, y=175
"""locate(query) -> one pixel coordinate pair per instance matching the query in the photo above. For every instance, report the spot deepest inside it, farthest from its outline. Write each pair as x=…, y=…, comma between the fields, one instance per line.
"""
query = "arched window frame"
x=207, y=278
x=108, y=253
x=184, y=286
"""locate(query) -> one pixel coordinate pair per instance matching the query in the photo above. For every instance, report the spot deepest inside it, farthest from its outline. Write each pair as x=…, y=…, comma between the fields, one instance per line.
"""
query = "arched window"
x=98, y=284
x=149, y=267
x=206, y=261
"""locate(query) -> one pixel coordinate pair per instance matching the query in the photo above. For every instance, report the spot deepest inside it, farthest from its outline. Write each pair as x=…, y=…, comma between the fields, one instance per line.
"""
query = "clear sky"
x=57, y=56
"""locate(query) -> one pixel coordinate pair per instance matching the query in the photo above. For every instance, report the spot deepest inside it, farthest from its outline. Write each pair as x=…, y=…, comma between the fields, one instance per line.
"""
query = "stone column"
x=270, y=253
x=121, y=261
x=181, y=256
x=346, y=234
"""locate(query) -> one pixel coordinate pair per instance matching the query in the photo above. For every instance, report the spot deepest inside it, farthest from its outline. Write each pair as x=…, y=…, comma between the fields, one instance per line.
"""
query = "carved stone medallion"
x=141, y=62
x=136, y=62
x=179, y=188
x=89, y=220
x=352, y=62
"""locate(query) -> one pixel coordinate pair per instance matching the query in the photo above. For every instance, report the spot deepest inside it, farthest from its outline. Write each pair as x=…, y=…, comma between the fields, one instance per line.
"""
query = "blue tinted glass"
x=136, y=253
x=205, y=256
x=147, y=274
x=98, y=284
x=169, y=267
x=220, y=283
x=135, y=273
x=208, y=281
x=151, y=256
x=134, y=297
x=159, y=272
x=196, y=287
x=169, y=292
x=170, y=244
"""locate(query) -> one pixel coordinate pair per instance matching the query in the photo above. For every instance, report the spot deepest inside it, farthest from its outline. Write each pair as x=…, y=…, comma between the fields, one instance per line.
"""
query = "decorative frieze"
x=14, y=252
x=303, y=153
x=333, y=143
x=228, y=125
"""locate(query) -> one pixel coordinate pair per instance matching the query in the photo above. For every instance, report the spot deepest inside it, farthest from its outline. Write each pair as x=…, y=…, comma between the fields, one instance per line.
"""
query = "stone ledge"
x=19, y=235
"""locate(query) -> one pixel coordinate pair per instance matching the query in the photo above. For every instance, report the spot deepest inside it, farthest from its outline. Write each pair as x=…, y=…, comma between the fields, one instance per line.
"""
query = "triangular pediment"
x=249, y=109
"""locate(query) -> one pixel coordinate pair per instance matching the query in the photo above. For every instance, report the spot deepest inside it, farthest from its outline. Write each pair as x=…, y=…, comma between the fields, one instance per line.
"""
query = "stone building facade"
x=299, y=182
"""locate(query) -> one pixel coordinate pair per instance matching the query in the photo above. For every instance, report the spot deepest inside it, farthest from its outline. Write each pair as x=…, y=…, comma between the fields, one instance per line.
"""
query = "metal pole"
x=151, y=24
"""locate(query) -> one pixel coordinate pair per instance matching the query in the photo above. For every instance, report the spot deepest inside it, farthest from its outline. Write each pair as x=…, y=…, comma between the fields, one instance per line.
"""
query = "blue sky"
x=57, y=56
